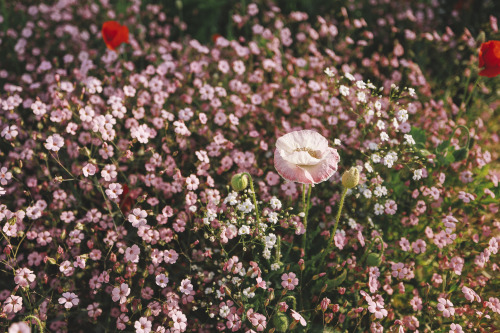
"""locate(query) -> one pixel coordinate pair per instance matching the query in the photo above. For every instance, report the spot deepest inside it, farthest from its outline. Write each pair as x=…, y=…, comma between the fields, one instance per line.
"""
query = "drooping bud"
x=350, y=178
x=239, y=182
x=280, y=321
x=374, y=259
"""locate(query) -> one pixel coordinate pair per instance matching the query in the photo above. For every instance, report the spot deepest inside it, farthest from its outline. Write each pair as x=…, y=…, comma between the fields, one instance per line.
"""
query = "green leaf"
x=419, y=136
x=445, y=160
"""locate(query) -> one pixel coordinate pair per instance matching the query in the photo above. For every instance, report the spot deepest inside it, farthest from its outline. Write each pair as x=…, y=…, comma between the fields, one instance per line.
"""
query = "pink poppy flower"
x=304, y=157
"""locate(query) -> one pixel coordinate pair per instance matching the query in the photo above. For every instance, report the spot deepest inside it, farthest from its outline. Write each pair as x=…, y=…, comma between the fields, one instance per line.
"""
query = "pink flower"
x=69, y=300
x=324, y=304
x=132, y=253
x=282, y=306
x=377, y=309
x=289, y=281
x=180, y=321
x=89, y=169
x=120, y=293
x=258, y=320
x=419, y=246
x=405, y=244
x=470, y=294
x=304, y=157
x=162, y=280
x=143, y=325
x=456, y=328
x=114, y=190
x=446, y=307
x=13, y=304
x=20, y=327
x=24, y=277
x=261, y=283
x=298, y=317
x=54, y=142
x=186, y=286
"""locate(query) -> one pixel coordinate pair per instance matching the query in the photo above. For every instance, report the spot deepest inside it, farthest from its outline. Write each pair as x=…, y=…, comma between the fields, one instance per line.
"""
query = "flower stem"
x=337, y=219
x=305, y=207
x=250, y=180
x=40, y=325
x=467, y=100
x=332, y=235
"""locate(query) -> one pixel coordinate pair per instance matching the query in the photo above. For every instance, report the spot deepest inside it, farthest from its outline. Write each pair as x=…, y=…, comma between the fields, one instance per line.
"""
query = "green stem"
x=37, y=320
x=332, y=235
x=305, y=207
x=337, y=219
x=250, y=180
x=294, y=301
x=467, y=100
x=278, y=250
x=466, y=130
x=371, y=246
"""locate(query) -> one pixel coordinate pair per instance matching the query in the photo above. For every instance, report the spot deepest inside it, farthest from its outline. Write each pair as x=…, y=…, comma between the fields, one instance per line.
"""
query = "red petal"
x=114, y=34
x=490, y=71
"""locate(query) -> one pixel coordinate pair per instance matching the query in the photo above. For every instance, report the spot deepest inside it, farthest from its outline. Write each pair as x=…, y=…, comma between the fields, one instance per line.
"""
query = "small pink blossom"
x=289, y=281
x=186, y=287
x=24, y=276
x=20, y=327
x=69, y=300
x=13, y=304
x=143, y=325
x=455, y=328
x=258, y=320
x=132, y=253
x=446, y=307
x=162, y=280
x=120, y=293
x=54, y=142
x=89, y=169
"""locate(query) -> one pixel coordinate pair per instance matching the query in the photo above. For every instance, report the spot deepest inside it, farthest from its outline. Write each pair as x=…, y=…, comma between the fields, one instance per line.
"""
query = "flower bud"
x=280, y=321
x=374, y=259
x=239, y=182
x=350, y=178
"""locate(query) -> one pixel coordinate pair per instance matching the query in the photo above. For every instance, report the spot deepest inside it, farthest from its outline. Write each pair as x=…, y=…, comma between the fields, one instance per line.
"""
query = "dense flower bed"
x=308, y=175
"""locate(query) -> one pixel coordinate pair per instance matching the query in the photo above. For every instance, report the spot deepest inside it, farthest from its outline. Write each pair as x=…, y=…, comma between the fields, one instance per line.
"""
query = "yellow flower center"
x=313, y=153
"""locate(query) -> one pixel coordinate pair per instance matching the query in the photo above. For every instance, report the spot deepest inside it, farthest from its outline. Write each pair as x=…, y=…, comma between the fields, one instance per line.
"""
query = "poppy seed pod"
x=239, y=182
x=280, y=321
x=350, y=178
x=374, y=259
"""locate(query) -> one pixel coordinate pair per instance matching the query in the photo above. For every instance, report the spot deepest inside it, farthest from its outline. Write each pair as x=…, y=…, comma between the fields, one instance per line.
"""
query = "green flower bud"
x=350, y=178
x=374, y=259
x=239, y=182
x=280, y=321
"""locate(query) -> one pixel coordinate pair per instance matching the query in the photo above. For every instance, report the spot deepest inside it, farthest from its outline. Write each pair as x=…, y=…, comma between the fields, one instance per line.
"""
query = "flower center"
x=313, y=153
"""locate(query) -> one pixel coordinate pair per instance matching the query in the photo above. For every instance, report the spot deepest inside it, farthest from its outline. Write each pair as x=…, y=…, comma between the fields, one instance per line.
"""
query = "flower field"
x=335, y=172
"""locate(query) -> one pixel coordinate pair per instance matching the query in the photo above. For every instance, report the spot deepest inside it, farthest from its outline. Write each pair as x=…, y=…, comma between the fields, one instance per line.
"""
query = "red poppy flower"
x=114, y=34
x=215, y=37
x=489, y=58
